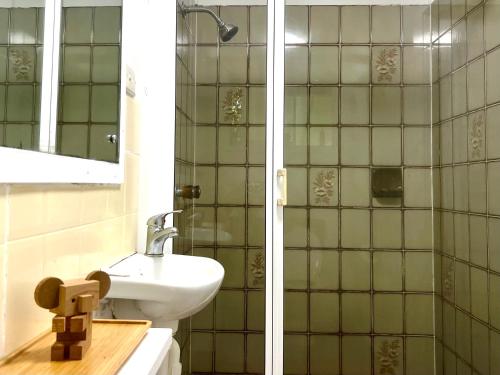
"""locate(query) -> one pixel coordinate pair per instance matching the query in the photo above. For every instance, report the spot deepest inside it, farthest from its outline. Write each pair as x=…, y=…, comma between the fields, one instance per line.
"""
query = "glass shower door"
x=222, y=106
x=358, y=284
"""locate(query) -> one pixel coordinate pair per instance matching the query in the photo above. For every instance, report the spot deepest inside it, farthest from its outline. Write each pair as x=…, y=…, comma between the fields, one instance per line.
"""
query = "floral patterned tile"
x=448, y=279
x=232, y=105
x=386, y=65
x=476, y=136
x=388, y=356
x=256, y=268
x=21, y=64
x=323, y=189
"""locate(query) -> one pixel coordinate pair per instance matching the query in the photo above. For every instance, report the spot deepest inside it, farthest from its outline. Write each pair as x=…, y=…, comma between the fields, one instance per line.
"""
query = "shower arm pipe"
x=195, y=8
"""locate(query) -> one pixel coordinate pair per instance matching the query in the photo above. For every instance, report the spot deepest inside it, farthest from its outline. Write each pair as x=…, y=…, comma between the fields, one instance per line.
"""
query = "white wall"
x=154, y=51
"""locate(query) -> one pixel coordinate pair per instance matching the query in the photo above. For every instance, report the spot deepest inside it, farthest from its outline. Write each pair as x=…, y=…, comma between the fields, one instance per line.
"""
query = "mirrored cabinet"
x=89, y=82
x=61, y=78
x=21, y=61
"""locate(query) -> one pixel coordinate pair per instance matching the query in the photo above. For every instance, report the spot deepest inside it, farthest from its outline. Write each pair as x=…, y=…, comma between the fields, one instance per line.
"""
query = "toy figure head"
x=72, y=297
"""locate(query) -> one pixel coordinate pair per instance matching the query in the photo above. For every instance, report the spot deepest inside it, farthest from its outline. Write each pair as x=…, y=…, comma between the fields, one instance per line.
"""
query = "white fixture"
x=164, y=290
x=171, y=287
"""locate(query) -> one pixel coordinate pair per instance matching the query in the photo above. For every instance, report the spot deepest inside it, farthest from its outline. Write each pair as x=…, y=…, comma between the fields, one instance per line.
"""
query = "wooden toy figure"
x=72, y=302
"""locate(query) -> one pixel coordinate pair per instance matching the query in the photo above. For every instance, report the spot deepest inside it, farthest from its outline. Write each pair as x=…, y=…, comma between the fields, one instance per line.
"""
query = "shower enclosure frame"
x=275, y=187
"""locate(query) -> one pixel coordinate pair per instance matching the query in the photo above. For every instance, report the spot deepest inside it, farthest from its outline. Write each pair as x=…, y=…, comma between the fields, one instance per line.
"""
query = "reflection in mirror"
x=21, y=51
x=89, y=91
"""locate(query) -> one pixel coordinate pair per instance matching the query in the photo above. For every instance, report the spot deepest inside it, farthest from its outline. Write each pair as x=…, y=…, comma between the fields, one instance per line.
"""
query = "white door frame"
x=274, y=162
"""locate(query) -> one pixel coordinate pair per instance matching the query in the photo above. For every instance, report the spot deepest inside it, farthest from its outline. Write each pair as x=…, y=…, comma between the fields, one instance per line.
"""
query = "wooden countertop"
x=113, y=341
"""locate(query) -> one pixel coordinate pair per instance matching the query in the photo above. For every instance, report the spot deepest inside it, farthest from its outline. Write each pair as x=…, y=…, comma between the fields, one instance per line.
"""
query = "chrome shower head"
x=226, y=31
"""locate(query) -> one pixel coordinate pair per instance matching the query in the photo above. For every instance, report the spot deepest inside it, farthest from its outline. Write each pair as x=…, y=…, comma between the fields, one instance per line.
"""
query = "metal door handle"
x=283, y=201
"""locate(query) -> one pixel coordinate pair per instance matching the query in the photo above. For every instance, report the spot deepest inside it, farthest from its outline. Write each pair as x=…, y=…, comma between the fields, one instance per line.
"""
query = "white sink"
x=171, y=287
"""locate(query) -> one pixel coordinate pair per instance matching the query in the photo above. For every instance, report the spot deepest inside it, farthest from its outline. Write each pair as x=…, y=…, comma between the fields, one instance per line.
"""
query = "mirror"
x=89, y=81
x=21, y=57
x=87, y=62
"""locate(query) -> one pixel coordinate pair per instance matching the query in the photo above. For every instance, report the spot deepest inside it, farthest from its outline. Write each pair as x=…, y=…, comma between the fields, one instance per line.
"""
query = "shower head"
x=226, y=30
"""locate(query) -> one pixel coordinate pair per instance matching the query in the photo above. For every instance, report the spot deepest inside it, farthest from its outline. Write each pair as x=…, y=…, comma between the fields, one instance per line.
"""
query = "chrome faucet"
x=158, y=234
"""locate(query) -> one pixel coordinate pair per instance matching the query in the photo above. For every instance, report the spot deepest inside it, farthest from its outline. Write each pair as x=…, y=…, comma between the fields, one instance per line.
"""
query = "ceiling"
x=317, y=2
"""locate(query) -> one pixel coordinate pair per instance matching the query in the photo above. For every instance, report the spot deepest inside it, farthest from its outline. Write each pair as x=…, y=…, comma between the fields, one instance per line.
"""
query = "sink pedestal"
x=164, y=290
x=131, y=309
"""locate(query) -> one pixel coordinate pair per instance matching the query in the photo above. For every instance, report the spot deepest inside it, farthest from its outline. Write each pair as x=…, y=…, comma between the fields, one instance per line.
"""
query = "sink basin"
x=172, y=287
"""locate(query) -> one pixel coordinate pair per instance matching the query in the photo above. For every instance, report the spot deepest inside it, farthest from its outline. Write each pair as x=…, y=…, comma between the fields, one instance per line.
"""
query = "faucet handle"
x=159, y=220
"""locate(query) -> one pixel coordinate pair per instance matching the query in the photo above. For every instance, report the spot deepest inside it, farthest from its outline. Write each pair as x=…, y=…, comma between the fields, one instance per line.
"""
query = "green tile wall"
x=466, y=139
x=89, y=91
x=358, y=269
x=21, y=52
x=228, y=336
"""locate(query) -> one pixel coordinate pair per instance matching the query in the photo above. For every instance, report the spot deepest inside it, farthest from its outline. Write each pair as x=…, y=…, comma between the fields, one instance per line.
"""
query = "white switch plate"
x=130, y=82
